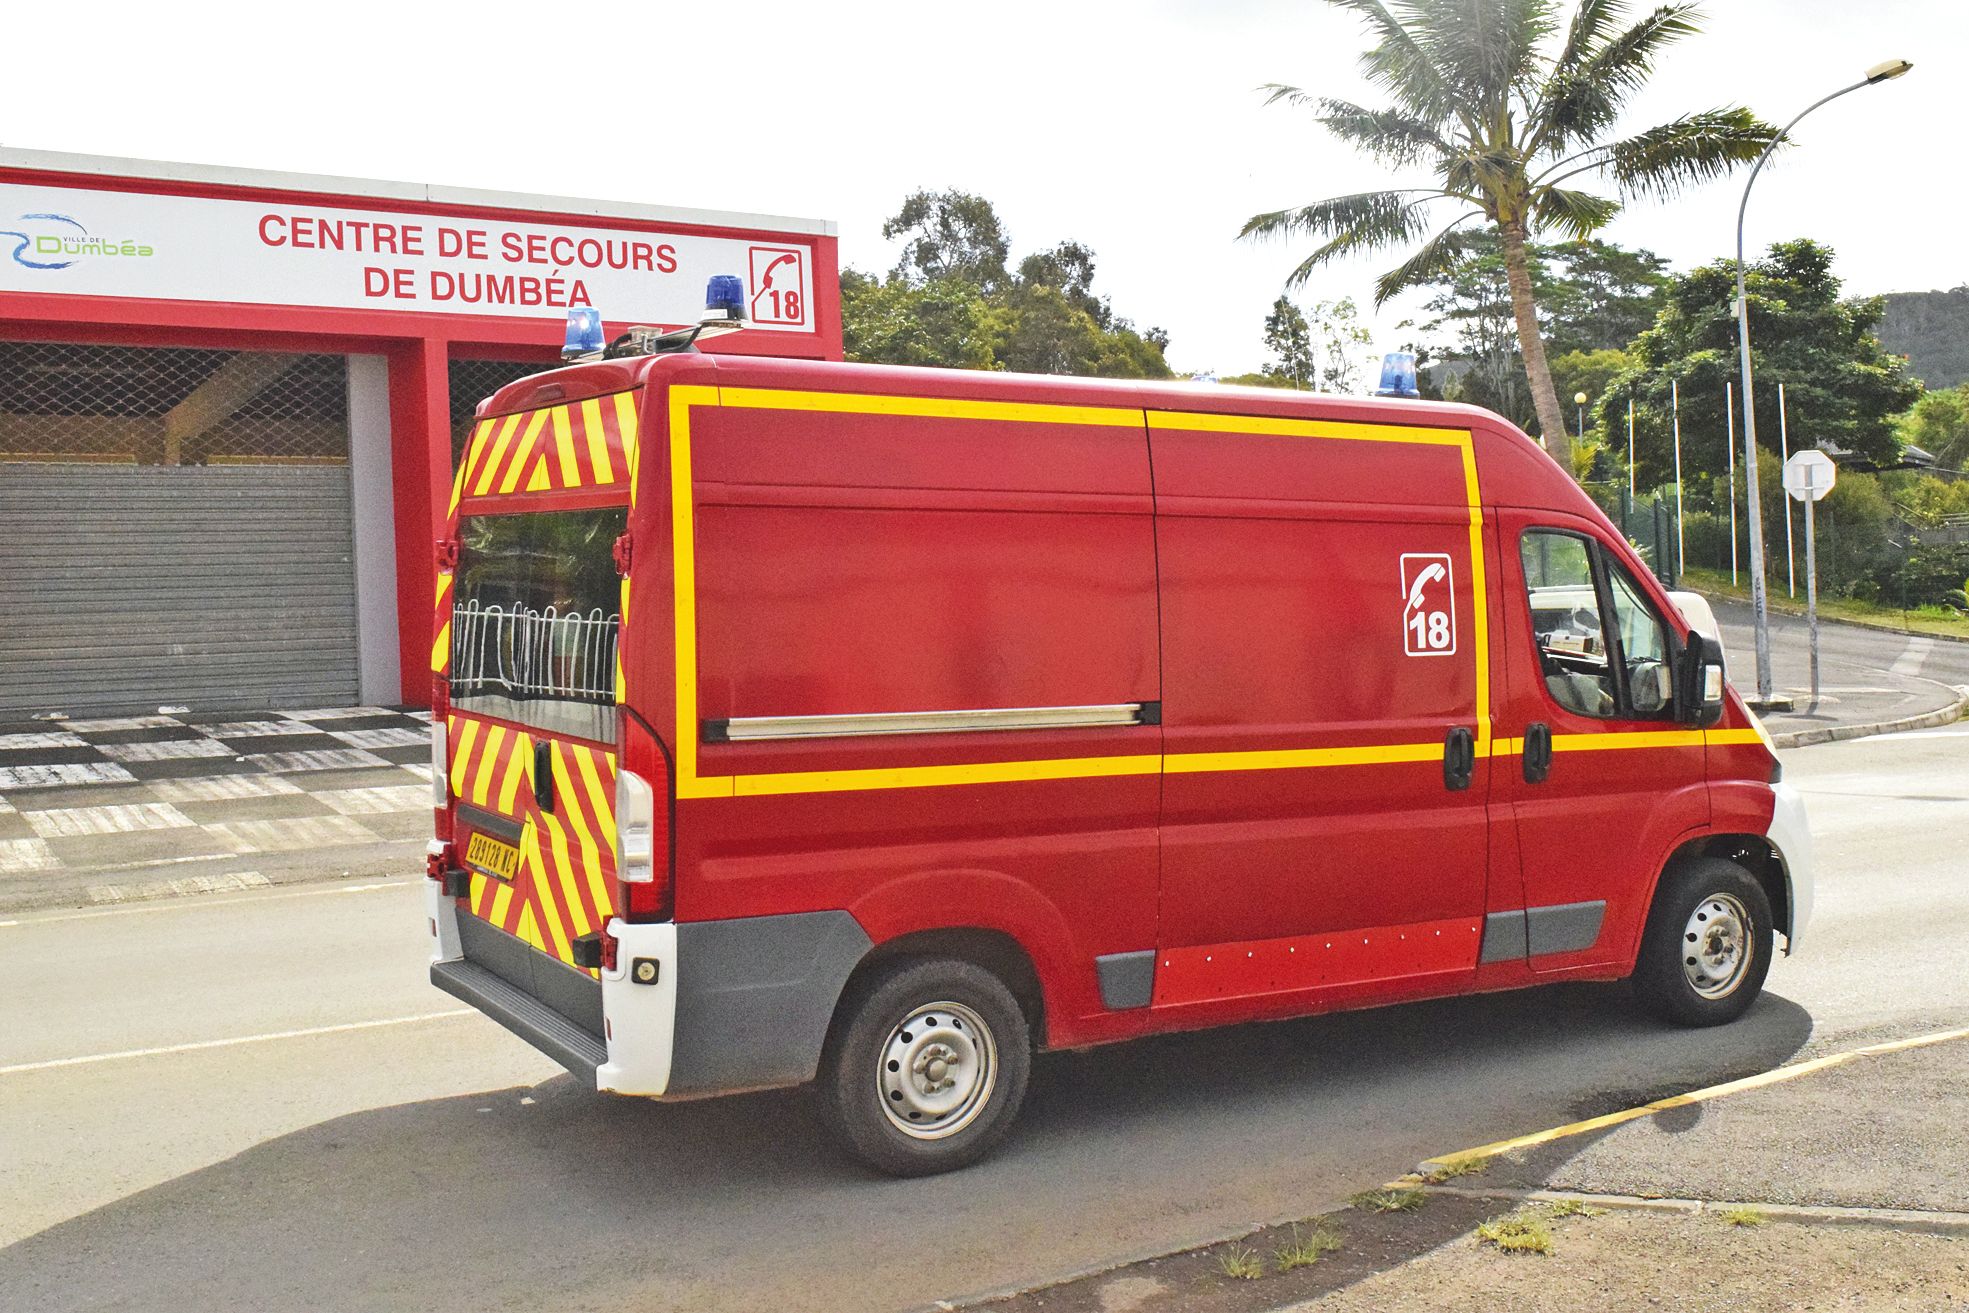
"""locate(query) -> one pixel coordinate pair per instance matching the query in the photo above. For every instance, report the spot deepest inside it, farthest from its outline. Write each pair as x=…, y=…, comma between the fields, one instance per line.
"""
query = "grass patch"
x=1743, y=1216
x=1450, y=1168
x=1241, y=1263
x=1305, y=1250
x=1558, y=1208
x=1920, y=619
x=1389, y=1201
x=1523, y=1232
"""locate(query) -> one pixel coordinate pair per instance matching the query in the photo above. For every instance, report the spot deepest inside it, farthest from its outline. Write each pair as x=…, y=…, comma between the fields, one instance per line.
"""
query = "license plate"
x=493, y=857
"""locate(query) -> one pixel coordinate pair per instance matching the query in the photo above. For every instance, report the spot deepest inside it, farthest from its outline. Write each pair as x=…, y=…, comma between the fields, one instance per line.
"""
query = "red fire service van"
x=876, y=727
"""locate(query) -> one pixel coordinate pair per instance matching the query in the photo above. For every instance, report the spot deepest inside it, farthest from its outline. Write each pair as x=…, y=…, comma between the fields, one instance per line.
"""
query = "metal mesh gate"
x=472, y=381
x=178, y=529
x=63, y=401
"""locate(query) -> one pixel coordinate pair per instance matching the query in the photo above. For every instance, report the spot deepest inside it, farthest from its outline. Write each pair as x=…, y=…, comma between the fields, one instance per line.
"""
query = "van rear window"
x=535, y=619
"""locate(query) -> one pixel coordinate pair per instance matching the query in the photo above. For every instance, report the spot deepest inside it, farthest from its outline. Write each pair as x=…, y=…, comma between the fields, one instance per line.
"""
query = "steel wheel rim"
x=936, y=1071
x=1716, y=946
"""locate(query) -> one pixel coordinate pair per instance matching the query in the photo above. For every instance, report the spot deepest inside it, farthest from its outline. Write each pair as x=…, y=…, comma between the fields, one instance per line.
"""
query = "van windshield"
x=535, y=619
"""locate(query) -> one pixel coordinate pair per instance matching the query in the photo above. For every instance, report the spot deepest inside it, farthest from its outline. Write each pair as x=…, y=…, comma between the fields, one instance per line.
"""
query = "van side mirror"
x=1699, y=681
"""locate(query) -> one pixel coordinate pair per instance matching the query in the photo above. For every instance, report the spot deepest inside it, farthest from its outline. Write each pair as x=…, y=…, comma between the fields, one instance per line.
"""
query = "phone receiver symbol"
x=1434, y=572
x=766, y=279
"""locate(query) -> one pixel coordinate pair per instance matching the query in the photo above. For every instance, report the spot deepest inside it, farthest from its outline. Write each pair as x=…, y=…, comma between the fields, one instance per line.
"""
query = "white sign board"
x=276, y=252
x=1808, y=475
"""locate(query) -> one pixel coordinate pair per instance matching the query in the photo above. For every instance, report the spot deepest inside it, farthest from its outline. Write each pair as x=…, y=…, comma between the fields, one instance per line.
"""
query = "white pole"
x=1812, y=595
x=1675, y=406
x=1730, y=445
x=1630, y=453
x=1784, y=452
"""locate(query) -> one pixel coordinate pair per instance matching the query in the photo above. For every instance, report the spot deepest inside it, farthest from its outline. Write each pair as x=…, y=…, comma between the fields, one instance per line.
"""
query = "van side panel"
x=861, y=563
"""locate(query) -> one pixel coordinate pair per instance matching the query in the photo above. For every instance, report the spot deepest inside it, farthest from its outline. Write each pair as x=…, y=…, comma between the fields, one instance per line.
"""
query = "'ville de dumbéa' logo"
x=56, y=241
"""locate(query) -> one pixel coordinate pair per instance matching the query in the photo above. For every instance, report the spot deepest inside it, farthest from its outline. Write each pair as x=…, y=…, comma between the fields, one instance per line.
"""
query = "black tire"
x=1699, y=909
x=856, y=1077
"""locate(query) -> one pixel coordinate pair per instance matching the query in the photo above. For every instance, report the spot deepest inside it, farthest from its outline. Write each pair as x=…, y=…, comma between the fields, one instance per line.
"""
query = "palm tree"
x=1503, y=116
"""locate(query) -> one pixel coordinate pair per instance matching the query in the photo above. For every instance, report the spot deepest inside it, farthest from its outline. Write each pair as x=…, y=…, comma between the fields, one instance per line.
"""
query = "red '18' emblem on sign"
x=1428, y=604
x=778, y=276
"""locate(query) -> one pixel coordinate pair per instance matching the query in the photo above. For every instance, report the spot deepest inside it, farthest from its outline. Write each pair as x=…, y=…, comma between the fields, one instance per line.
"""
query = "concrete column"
x=378, y=649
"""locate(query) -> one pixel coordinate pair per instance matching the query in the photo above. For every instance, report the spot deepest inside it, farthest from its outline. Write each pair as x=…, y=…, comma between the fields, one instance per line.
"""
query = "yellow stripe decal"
x=591, y=860
x=502, y=902
x=524, y=452
x=1668, y=738
x=684, y=564
x=518, y=767
x=564, y=449
x=474, y=455
x=482, y=782
x=1720, y=737
x=591, y=420
x=598, y=799
x=441, y=647
x=457, y=489
x=557, y=853
x=539, y=481
x=444, y=582
x=461, y=753
x=497, y=456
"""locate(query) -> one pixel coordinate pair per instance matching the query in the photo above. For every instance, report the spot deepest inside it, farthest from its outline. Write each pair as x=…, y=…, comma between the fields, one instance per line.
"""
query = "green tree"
x=951, y=301
x=1939, y=425
x=1841, y=386
x=1289, y=338
x=1503, y=106
x=950, y=235
x=1595, y=295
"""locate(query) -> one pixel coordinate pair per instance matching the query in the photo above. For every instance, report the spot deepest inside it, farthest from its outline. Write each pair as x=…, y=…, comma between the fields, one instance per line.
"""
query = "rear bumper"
x=730, y=1005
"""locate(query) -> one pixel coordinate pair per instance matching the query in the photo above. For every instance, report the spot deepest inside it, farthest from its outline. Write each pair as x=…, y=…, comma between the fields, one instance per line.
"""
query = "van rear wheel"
x=926, y=1067
x=1708, y=944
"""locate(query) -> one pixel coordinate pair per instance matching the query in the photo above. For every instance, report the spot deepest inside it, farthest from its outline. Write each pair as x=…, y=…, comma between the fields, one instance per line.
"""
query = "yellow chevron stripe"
x=625, y=421
x=497, y=456
x=482, y=782
x=444, y=582
x=564, y=448
x=502, y=902
x=474, y=454
x=524, y=452
x=441, y=648
x=547, y=915
x=604, y=806
x=461, y=753
x=591, y=419
x=457, y=490
x=518, y=767
x=621, y=676
x=529, y=930
x=557, y=854
x=591, y=857
x=481, y=883
x=538, y=480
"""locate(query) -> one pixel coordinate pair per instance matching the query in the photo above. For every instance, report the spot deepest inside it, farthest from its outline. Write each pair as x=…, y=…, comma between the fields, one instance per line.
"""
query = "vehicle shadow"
x=551, y=1197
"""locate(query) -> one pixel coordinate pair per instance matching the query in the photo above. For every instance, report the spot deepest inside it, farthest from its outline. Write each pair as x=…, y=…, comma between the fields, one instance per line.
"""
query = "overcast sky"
x=1132, y=127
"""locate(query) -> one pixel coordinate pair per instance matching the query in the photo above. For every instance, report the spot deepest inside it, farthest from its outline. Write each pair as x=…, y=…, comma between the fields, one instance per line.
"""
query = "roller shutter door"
x=126, y=587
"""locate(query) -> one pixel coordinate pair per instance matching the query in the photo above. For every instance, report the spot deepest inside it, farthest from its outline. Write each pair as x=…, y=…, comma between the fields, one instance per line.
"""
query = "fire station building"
x=230, y=402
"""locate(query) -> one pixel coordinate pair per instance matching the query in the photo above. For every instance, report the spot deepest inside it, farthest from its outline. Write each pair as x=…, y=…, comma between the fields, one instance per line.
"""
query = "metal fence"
x=520, y=653
x=82, y=402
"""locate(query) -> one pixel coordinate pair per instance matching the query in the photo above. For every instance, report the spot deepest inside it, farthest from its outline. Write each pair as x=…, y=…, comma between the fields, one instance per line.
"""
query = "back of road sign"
x=1808, y=475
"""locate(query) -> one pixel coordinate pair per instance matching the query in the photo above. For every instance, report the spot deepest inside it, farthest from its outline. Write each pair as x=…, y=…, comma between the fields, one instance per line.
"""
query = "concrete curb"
x=1897, y=1219
x=1804, y=738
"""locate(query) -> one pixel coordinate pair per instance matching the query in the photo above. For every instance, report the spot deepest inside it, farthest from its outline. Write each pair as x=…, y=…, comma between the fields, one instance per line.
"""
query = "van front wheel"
x=1707, y=945
x=926, y=1067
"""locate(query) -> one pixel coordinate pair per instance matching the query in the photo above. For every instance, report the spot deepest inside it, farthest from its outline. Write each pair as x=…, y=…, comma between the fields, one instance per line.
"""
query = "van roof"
x=1513, y=469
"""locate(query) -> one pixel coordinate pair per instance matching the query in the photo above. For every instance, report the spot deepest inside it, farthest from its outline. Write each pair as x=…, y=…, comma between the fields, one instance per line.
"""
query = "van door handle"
x=1459, y=759
x=543, y=775
x=1538, y=752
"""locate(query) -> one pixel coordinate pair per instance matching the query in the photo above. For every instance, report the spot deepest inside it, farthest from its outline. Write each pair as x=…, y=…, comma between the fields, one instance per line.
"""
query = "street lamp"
x=1765, y=701
x=1579, y=399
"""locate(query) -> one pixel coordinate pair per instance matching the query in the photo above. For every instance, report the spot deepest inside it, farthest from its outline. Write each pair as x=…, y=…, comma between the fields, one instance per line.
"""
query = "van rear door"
x=528, y=645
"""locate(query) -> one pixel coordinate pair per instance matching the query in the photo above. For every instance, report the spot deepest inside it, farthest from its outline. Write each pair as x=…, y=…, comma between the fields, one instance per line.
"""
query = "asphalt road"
x=1865, y=675
x=431, y=1162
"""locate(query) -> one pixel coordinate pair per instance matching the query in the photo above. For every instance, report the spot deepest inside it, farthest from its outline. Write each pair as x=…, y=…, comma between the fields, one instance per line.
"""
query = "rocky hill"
x=1932, y=330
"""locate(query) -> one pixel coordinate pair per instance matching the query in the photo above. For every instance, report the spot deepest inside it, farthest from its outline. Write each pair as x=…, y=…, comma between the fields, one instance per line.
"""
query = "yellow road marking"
x=1776, y=1076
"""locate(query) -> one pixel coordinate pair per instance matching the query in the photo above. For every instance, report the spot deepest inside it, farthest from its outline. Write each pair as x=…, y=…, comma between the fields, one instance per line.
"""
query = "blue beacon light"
x=584, y=333
x=1398, y=375
x=724, y=297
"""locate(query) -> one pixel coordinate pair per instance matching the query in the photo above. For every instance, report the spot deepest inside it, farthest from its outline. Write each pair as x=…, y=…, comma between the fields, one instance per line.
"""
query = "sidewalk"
x=1840, y=1182
x=113, y=809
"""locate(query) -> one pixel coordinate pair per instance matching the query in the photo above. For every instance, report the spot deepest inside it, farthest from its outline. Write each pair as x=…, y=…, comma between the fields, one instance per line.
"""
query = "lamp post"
x=1893, y=68
x=1579, y=400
